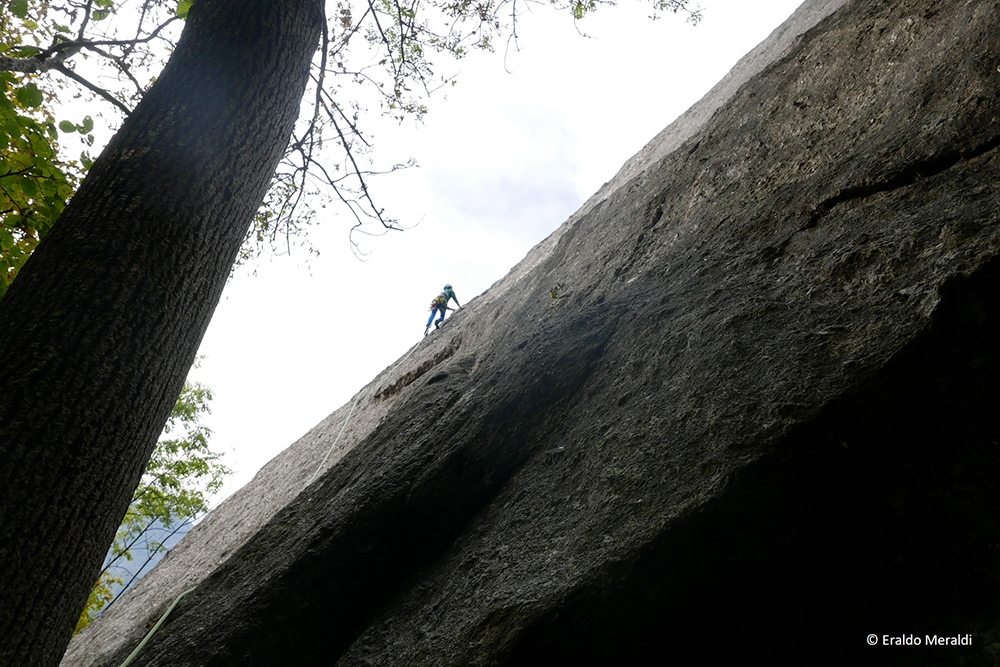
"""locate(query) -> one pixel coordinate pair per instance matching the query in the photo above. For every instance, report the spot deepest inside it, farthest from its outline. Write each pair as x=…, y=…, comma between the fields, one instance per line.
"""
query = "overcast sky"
x=504, y=159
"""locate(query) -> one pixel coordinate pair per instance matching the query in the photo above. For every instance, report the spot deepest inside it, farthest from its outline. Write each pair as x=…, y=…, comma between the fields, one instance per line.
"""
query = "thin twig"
x=96, y=89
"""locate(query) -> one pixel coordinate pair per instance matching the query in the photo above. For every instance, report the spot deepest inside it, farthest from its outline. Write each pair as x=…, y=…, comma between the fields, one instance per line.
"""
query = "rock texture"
x=741, y=405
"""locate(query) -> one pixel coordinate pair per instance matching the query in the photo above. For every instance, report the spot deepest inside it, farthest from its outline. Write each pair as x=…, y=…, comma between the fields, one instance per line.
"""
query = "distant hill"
x=146, y=554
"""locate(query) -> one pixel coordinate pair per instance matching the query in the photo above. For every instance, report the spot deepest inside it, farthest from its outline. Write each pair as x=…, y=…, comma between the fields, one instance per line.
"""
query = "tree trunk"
x=101, y=326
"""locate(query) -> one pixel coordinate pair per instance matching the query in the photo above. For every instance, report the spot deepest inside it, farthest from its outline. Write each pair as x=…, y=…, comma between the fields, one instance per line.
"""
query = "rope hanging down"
x=152, y=630
x=348, y=419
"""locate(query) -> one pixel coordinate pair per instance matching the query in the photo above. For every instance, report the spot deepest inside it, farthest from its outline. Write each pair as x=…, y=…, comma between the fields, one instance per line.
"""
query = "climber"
x=440, y=305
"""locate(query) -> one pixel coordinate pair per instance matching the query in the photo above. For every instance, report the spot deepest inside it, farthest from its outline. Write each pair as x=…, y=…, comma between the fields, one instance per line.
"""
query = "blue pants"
x=439, y=309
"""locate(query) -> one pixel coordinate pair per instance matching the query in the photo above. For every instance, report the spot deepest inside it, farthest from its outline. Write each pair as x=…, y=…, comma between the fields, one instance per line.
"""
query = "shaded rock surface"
x=742, y=404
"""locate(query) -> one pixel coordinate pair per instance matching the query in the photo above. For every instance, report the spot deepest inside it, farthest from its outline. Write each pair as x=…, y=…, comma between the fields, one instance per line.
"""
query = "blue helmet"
x=447, y=286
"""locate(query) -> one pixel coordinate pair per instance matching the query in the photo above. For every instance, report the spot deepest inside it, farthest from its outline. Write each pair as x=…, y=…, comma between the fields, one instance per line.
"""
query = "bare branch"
x=131, y=544
x=42, y=62
x=65, y=71
x=120, y=63
x=67, y=44
x=151, y=555
x=86, y=20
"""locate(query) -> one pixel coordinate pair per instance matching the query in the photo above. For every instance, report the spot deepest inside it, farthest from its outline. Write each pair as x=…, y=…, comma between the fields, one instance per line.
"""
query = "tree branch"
x=43, y=62
x=65, y=71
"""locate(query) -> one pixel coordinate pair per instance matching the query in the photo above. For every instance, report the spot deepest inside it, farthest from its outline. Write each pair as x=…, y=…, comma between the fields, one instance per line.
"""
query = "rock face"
x=742, y=404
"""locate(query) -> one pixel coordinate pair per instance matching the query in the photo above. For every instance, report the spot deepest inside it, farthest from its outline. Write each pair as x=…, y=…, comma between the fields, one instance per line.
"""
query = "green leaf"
x=29, y=187
x=67, y=126
x=41, y=146
x=183, y=7
x=19, y=8
x=29, y=95
x=88, y=125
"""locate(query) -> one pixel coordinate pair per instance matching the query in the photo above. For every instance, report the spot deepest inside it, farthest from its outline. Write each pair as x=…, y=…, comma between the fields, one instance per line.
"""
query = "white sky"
x=504, y=159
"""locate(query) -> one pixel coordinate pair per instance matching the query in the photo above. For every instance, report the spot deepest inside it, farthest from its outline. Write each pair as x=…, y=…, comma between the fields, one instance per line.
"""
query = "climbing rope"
x=329, y=451
x=152, y=630
x=348, y=419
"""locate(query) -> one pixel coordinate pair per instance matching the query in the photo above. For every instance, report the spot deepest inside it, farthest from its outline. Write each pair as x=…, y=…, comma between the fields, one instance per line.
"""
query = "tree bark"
x=101, y=326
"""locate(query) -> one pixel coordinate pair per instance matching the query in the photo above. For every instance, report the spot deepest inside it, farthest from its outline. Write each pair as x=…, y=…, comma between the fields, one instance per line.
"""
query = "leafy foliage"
x=36, y=181
x=102, y=595
x=34, y=184
x=179, y=479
